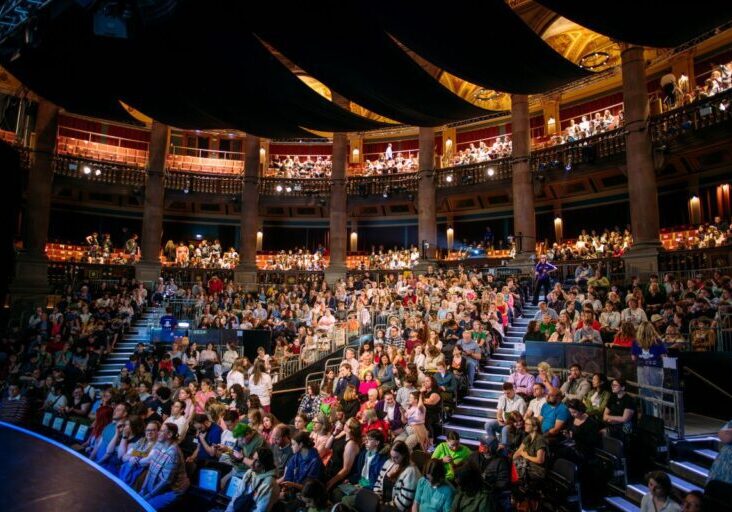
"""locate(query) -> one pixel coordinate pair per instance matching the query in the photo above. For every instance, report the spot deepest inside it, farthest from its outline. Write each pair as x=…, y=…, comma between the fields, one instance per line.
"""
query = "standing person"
x=132, y=249
x=260, y=384
x=542, y=277
x=166, y=479
x=648, y=351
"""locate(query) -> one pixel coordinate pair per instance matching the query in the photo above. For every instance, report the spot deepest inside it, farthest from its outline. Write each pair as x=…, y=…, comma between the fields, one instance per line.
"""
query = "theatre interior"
x=366, y=256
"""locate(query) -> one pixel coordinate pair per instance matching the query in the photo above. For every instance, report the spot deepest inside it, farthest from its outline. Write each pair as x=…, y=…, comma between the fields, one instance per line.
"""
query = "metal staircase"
x=480, y=404
x=139, y=332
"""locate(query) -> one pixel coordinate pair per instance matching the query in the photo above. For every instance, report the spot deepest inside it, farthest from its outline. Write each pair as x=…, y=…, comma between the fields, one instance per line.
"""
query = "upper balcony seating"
x=205, y=165
x=99, y=151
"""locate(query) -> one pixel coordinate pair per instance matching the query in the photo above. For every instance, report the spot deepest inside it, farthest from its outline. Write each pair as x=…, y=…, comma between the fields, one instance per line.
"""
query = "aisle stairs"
x=688, y=469
x=139, y=332
x=480, y=404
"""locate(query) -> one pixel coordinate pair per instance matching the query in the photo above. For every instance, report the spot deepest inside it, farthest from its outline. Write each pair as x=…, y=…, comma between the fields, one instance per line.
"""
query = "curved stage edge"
x=41, y=475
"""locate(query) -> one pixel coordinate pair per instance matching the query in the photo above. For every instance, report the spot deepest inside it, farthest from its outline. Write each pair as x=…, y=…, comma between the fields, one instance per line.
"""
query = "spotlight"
x=449, y=178
x=387, y=192
x=297, y=187
x=278, y=188
x=97, y=172
x=568, y=167
x=491, y=171
x=288, y=189
x=87, y=169
x=187, y=188
x=198, y=236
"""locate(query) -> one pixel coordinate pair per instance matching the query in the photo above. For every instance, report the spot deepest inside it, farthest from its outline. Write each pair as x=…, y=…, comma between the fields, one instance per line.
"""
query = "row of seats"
x=99, y=151
x=199, y=164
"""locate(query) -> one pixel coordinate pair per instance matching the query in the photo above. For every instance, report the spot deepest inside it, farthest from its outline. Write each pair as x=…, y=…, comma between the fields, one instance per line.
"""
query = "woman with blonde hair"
x=648, y=352
x=547, y=377
x=320, y=436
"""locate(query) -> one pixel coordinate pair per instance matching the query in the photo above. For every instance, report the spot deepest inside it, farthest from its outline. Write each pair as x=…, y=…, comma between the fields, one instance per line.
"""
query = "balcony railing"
x=385, y=184
x=202, y=183
x=102, y=172
x=294, y=187
x=473, y=174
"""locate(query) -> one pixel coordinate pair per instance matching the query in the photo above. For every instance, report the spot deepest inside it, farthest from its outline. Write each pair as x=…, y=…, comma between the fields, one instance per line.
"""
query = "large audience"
x=500, y=148
x=305, y=167
x=391, y=163
x=372, y=423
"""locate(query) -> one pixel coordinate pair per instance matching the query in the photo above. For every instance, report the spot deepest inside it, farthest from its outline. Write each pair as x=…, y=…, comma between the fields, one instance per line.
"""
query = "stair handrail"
x=707, y=381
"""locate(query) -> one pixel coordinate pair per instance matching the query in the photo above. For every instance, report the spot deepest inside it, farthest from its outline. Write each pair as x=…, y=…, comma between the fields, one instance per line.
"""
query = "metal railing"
x=294, y=187
x=95, y=170
x=696, y=260
x=365, y=186
x=472, y=174
x=206, y=153
x=334, y=341
x=203, y=183
x=666, y=404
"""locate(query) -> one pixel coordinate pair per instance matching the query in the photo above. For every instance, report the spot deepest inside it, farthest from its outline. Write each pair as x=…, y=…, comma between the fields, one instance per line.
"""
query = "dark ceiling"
x=205, y=65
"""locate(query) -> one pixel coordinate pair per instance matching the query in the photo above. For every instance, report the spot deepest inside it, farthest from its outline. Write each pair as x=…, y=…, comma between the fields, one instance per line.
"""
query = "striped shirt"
x=402, y=495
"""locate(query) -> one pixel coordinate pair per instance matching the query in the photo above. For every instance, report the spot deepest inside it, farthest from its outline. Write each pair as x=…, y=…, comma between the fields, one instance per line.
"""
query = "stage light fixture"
x=87, y=169
x=288, y=189
x=449, y=178
x=568, y=167
x=97, y=172
x=278, y=188
x=491, y=171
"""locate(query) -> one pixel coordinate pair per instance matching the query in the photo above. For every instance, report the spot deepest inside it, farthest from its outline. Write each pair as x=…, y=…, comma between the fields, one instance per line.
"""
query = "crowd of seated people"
x=593, y=245
x=670, y=314
x=200, y=254
x=391, y=163
x=391, y=259
x=501, y=148
x=319, y=166
x=389, y=396
x=297, y=259
x=715, y=234
x=177, y=410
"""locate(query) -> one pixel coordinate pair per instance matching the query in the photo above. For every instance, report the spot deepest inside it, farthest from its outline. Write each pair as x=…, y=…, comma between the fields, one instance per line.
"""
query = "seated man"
x=576, y=386
x=472, y=353
x=452, y=453
x=508, y=402
x=554, y=416
x=258, y=491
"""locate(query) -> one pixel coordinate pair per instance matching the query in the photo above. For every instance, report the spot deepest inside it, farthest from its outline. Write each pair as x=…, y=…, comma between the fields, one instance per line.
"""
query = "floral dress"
x=722, y=468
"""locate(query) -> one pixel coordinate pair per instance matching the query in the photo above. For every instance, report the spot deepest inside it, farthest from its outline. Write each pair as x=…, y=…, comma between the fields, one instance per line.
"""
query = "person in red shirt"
x=410, y=297
x=625, y=336
x=588, y=318
x=371, y=422
x=215, y=285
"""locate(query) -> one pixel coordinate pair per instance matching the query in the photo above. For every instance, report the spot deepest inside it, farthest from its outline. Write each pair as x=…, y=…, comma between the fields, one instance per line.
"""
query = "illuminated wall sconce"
x=354, y=241
x=262, y=155
x=450, y=238
x=355, y=156
x=558, y=229
x=260, y=238
x=723, y=200
x=551, y=125
x=695, y=210
x=448, y=143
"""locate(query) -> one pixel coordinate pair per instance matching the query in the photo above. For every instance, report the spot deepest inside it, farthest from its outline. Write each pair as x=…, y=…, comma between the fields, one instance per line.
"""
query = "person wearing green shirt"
x=451, y=453
x=434, y=494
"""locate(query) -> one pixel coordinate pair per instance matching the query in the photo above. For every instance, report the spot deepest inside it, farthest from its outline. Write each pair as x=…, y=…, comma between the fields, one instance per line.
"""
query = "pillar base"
x=30, y=287
x=333, y=274
x=147, y=271
x=246, y=275
x=642, y=260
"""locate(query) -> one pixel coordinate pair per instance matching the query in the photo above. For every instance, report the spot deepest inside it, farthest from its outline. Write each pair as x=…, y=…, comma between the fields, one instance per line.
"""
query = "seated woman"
x=415, y=433
x=446, y=382
x=534, y=332
x=304, y=464
x=340, y=466
x=530, y=457
x=658, y=496
x=547, y=377
x=596, y=400
x=310, y=402
x=619, y=414
x=367, y=383
x=371, y=421
x=516, y=430
x=383, y=372
x=133, y=453
x=350, y=402
x=433, y=493
x=397, y=481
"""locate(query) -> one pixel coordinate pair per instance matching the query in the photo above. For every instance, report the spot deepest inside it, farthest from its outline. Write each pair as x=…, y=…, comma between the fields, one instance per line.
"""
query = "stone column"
x=642, y=191
x=426, y=197
x=30, y=285
x=148, y=268
x=524, y=215
x=246, y=272
x=338, y=209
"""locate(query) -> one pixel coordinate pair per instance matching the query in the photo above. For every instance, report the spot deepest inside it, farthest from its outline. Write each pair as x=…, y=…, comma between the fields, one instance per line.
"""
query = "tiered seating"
x=76, y=253
x=200, y=164
x=103, y=152
x=354, y=261
x=7, y=136
x=671, y=238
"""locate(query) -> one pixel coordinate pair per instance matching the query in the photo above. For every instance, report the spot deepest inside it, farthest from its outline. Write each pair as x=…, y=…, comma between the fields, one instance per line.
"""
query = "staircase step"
x=473, y=443
x=493, y=394
x=682, y=485
x=471, y=421
x=635, y=492
x=476, y=410
x=465, y=432
x=503, y=370
x=709, y=455
x=490, y=378
x=619, y=503
x=504, y=358
x=690, y=471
